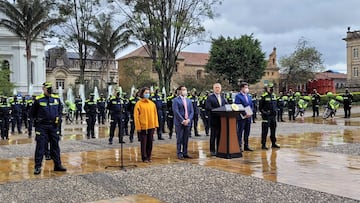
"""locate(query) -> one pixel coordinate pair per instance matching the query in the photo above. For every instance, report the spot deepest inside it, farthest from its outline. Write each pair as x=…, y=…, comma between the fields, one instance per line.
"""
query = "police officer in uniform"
x=125, y=113
x=5, y=109
x=24, y=113
x=194, y=100
x=315, y=101
x=170, y=114
x=204, y=114
x=101, y=106
x=29, y=104
x=16, y=112
x=115, y=106
x=132, y=101
x=255, y=107
x=157, y=99
x=78, y=103
x=348, y=97
x=291, y=103
x=46, y=112
x=91, y=112
x=280, y=106
x=268, y=107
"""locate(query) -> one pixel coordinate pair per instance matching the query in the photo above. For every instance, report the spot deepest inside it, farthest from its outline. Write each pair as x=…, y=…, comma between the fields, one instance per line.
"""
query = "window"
x=272, y=73
x=198, y=74
x=356, y=71
x=60, y=82
x=176, y=67
x=6, y=65
x=355, y=53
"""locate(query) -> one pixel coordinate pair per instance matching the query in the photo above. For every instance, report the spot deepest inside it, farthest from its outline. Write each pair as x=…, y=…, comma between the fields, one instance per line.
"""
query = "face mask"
x=147, y=95
x=246, y=90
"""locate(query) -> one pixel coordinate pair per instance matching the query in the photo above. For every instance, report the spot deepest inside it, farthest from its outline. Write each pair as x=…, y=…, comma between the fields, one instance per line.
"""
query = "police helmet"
x=339, y=98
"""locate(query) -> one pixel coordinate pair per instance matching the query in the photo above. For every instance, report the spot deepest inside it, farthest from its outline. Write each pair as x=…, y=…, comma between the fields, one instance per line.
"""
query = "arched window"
x=6, y=66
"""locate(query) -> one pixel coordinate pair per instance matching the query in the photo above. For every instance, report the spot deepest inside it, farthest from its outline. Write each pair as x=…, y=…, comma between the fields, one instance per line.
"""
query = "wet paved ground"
x=306, y=158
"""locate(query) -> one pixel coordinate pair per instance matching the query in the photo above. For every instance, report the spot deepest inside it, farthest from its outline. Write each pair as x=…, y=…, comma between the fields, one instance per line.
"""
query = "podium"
x=228, y=144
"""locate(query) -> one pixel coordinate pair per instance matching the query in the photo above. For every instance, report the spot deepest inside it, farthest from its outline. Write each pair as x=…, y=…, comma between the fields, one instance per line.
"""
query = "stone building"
x=352, y=59
x=271, y=75
x=138, y=64
x=63, y=70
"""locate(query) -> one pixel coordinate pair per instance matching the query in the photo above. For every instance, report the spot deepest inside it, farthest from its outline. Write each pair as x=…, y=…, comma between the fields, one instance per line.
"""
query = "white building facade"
x=13, y=53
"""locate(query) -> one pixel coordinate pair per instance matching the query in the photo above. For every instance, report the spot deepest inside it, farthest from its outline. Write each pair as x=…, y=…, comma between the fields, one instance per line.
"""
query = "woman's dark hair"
x=141, y=93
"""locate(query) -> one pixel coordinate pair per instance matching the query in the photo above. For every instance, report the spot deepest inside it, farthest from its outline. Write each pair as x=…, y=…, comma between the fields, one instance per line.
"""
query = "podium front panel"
x=228, y=145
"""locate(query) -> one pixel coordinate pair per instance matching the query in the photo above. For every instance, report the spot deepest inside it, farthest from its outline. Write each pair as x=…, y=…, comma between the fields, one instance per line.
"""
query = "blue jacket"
x=179, y=110
x=240, y=99
x=46, y=110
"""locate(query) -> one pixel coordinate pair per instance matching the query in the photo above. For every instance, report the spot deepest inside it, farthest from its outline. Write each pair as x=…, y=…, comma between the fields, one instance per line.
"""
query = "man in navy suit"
x=244, y=120
x=213, y=101
x=183, y=114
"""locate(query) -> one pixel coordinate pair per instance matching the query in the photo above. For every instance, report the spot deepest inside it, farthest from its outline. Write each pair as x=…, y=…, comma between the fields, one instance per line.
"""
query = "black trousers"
x=214, y=138
x=90, y=121
x=265, y=125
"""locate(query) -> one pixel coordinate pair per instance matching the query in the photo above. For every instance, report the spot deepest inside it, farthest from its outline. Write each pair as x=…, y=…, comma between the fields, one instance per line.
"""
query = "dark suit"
x=243, y=124
x=215, y=123
x=182, y=131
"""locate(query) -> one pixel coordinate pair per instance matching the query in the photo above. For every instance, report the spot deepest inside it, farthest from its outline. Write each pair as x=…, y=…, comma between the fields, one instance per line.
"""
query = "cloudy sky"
x=281, y=23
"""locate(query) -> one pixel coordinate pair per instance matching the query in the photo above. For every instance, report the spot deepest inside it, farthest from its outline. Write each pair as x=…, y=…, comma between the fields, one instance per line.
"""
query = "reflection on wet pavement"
x=292, y=164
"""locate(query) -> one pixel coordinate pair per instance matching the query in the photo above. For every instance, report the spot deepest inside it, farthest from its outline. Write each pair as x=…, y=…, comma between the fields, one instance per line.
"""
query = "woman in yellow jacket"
x=146, y=120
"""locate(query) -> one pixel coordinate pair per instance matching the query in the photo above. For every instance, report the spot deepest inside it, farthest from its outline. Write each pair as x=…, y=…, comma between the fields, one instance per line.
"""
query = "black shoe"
x=264, y=147
x=207, y=134
x=110, y=142
x=197, y=135
x=254, y=122
x=248, y=149
x=170, y=136
x=37, y=171
x=131, y=141
x=282, y=121
x=187, y=157
x=88, y=137
x=122, y=142
x=47, y=157
x=275, y=146
x=213, y=153
x=160, y=138
x=59, y=168
x=93, y=136
x=180, y=157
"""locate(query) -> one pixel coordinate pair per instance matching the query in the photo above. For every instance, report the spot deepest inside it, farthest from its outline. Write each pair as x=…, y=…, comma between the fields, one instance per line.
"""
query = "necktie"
x=185, y=107
x=219, y=99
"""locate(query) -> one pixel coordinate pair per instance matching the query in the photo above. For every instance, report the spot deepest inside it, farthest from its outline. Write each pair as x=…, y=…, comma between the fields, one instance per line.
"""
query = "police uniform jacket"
x=46, y=109
x=115, y=105
x=268, y=105
x=90, y=107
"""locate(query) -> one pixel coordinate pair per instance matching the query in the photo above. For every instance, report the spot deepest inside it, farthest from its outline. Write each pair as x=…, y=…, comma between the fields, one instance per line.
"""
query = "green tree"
x=28, y=19
x=107, y=40
x=137, y=73
x=301, y=65
x=74, y=33
x=166, y=27
x=237, y=59
x=6, y=86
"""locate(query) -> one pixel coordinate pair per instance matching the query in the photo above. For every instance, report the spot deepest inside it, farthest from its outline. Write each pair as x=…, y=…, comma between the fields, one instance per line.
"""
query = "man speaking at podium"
x=214, y=101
